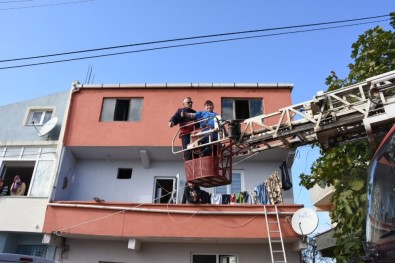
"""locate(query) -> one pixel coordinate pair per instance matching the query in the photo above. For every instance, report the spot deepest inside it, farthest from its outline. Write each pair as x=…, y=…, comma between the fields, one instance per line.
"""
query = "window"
x=38, y=116
x=164, y=190
x=214, y=258
x=126, y=109
x=236, y=186
x=32, y=250
x=124, y=173
x=36, y=184
x=241, y=109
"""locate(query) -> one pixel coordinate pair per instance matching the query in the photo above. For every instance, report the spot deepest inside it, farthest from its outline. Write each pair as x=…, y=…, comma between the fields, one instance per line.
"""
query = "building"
x=30, y=150
x=118, y=186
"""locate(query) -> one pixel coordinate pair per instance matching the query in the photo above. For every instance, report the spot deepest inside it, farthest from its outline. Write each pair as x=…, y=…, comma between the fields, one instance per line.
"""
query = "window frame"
x=226, y=111
x=27, y=121
x=32, y=250
x=217, y=256
x=158, y=197
x=229, y=186
x=111, y=109
x=35, y=165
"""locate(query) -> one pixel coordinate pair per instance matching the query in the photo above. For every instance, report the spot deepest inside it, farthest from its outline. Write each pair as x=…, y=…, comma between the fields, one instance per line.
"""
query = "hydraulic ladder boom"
x=365, y=109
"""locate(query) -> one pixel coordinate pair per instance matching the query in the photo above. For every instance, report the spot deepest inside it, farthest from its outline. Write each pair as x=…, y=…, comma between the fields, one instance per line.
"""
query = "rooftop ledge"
x=187, y=85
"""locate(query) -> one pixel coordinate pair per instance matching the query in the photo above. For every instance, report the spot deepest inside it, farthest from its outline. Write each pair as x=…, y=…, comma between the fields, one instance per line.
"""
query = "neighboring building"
x=29, y=149
x=111, y=202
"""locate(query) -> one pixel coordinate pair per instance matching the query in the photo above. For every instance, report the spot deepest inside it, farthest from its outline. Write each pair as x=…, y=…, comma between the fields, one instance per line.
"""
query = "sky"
x=31, y=28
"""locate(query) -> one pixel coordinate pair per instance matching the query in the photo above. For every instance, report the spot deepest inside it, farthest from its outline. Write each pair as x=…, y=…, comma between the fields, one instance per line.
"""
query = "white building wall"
x=98, y=178
x=22, y=214
x=90, y=251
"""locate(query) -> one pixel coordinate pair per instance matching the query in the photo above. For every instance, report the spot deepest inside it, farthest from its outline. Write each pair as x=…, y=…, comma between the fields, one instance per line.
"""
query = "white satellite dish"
x=304, y=221
x=48, y=126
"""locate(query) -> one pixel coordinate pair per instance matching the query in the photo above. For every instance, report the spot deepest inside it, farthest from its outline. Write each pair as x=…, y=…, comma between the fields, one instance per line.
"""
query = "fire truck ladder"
x=276, y=244
x=365, y=109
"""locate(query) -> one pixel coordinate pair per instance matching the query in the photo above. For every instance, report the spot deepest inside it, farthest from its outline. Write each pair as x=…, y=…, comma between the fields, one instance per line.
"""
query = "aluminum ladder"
x=276, y=245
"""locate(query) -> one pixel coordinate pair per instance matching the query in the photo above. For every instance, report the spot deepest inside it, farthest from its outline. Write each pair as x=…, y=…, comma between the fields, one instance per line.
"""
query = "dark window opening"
x=121, y=111
x=163, y=190
x=126, y=109
x=124, y=173
x=214, y=258
x=240, y=109
x=204, y=259
x=21, y=168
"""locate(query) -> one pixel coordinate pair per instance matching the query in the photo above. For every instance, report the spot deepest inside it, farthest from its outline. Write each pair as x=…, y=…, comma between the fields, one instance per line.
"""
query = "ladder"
x=276, y=245
x=362, y=110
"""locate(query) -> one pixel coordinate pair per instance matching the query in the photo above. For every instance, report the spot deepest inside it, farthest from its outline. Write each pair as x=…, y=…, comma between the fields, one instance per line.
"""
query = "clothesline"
x=268, y=192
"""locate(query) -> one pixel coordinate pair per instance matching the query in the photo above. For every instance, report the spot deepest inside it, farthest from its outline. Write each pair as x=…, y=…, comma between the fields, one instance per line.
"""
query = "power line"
x=194, y=37
x=7, y=2
x=37, y=6
x=184, y=45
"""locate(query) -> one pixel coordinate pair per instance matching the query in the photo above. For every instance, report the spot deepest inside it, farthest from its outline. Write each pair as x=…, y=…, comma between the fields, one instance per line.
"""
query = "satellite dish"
x=48, y=126
x=304, y=221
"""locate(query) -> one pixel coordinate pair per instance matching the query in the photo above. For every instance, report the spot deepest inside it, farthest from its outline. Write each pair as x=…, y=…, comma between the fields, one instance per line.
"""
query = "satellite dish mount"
x=47, y=127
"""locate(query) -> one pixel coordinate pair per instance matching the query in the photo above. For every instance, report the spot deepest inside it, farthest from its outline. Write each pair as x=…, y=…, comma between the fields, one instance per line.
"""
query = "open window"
x=35, y=175
x=214, y=258
x=24, y=169
x=241, y=109
x=165, y=190
x=121, y=109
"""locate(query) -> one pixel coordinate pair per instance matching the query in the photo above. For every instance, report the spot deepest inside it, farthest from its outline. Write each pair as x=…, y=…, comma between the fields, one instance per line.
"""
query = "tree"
x=310, y=254
x=345, y=166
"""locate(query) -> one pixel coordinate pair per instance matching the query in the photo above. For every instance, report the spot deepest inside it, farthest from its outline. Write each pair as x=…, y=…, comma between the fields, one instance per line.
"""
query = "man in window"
x=185, y=130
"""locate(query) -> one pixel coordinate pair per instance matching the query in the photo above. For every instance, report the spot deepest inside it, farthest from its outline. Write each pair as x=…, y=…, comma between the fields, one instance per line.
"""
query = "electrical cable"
x=175, y=46
x=15, y=1
x=37, y=6
x=198, y=37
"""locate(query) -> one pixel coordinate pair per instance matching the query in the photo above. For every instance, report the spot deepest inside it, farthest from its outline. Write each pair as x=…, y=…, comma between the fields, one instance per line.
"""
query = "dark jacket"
x=187, y=198
x=177, y=119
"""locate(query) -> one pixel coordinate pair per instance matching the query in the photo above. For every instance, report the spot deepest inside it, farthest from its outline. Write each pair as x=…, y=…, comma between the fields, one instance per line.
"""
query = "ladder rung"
x=278, y=251
x=276, y=241
x=273, y=222
x=274, y=231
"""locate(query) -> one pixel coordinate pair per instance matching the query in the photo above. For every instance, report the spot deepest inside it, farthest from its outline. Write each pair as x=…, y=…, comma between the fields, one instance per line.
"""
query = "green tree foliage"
x=311, y=255
x=345, y=166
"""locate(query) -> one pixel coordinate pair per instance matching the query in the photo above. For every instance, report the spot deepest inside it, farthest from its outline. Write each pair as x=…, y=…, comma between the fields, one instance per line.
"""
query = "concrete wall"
x=13, y=117
x=22, y=213
x=98, y=178
x=85, y=128
x=90, y=251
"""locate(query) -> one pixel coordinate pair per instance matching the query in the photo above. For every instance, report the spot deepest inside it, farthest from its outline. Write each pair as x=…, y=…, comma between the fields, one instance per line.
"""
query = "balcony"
x=172, y=222
x=321, y=197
